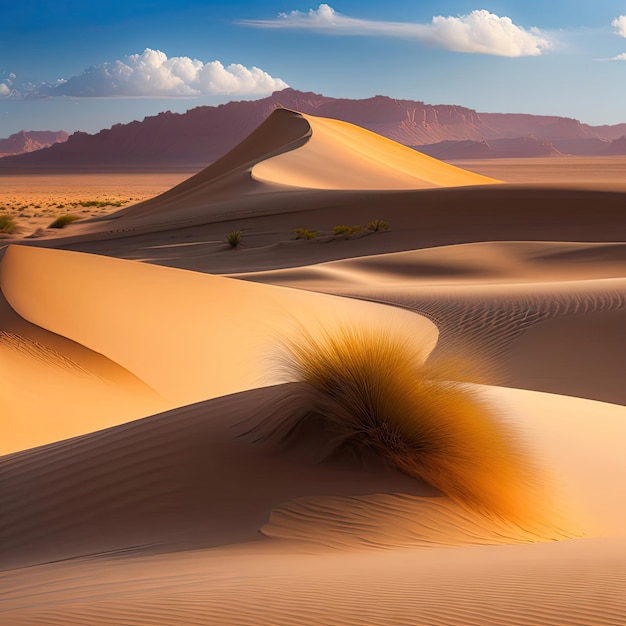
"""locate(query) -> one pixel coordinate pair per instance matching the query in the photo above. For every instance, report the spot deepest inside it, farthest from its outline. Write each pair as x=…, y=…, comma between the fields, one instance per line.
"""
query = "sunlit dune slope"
x=183, y=336
x=339, y=155
x=48, y=396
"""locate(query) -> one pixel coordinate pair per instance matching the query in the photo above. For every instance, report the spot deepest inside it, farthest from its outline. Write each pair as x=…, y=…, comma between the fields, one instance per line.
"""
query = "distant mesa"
x=30, y=141
x=204, y=134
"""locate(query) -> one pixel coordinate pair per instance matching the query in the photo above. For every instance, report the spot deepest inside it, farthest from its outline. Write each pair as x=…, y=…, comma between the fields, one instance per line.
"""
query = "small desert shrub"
x=347, y=231
x=364, y=392
x=7, y=224
x=304, y=233
x=63, y=220
x=377, y=225
x=233, y=238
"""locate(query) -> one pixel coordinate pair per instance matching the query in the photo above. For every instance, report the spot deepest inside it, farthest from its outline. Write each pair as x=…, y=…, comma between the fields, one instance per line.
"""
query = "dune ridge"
x=290, y=153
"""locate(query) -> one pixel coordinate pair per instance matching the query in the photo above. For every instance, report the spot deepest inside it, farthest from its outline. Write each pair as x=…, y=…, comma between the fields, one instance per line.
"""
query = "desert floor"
x=161, y=464
x=36, y=200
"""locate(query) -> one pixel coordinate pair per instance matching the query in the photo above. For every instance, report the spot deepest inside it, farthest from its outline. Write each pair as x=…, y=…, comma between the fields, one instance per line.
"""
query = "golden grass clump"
x=371, y=392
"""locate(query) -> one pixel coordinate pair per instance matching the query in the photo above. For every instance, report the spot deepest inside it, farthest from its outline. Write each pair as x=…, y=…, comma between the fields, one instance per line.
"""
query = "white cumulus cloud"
x=619, y=23
x=619, y=57
x=478, y=32
x=152, y=74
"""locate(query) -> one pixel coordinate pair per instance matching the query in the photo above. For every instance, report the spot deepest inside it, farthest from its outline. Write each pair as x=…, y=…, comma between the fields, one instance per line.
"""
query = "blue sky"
x=77, y=65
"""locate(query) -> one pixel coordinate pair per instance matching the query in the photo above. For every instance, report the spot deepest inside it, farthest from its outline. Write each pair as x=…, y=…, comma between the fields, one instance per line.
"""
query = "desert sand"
x=600, y=172
x=168, y=460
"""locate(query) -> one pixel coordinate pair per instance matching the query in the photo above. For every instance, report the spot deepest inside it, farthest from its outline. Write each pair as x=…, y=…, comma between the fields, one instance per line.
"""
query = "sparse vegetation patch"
x=99, y=203
x=63, y=220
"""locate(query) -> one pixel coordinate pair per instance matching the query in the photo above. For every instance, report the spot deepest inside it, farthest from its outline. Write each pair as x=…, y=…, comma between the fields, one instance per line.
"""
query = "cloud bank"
x=479, y=32
x=152, y=74
x=619, y=23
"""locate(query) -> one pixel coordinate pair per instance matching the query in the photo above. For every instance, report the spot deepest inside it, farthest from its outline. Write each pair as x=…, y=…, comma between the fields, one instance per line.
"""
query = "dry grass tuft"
x=63, y=220
x=7, y=224
x=370, y=392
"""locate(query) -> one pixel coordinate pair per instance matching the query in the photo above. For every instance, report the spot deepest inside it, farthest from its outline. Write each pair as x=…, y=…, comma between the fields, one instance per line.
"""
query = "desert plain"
x=421, y=421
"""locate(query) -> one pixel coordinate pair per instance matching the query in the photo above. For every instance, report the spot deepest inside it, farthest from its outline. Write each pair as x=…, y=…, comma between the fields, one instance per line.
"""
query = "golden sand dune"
x=356, y=485
x=175, y=487
x=163, y=326
x=187, y=479
x=291, y=153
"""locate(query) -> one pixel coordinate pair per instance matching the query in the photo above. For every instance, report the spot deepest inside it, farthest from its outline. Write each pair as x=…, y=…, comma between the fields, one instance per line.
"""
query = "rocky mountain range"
x=203, y=134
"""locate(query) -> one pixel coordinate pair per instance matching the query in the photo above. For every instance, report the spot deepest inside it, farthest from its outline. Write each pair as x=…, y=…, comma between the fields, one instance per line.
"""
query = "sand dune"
x=290, y=153
x=161, y=326
x=138, y=486
x=183, y=481
x=186, y=479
